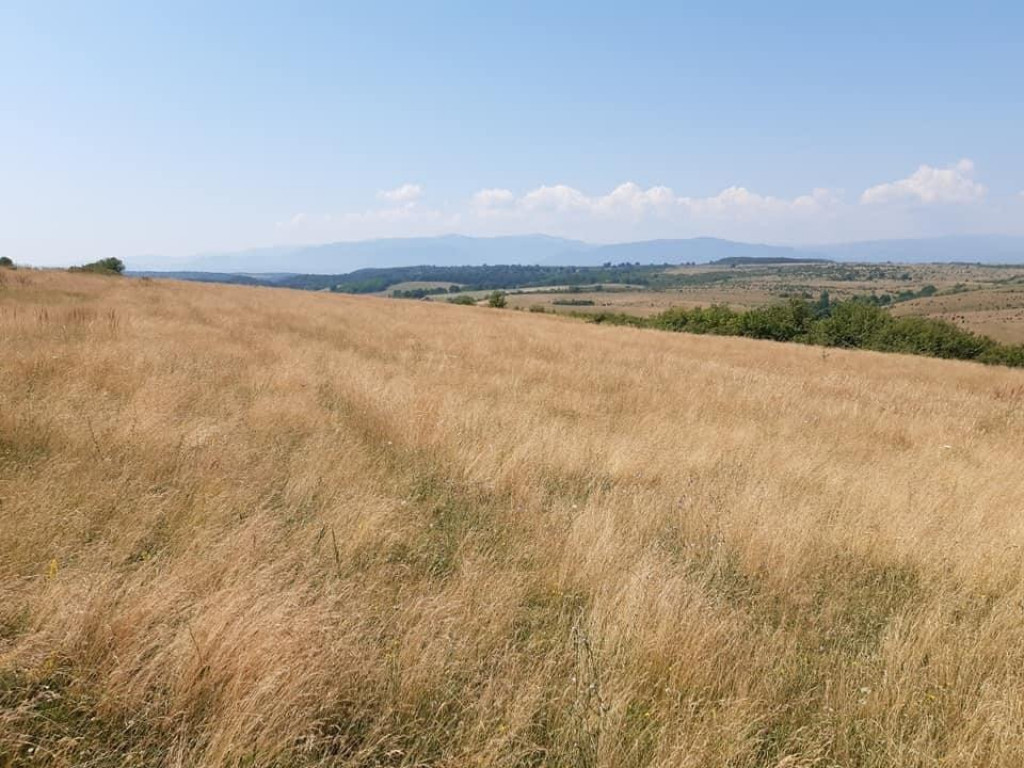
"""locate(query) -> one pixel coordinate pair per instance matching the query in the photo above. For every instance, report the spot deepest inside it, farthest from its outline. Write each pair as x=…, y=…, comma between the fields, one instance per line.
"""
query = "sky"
x=170, y=129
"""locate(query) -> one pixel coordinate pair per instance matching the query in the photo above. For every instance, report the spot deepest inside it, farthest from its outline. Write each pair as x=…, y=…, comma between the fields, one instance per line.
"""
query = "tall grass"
x=242, y=526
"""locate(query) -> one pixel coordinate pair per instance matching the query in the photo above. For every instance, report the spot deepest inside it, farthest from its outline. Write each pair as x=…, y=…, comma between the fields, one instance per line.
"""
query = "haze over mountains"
x=985, y=249
x=460, y=250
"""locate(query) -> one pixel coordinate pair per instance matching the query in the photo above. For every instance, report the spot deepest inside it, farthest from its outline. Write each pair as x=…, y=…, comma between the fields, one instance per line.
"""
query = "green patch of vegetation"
x=111, y=266
x=24, y=450
x=885, y=299
x=58, y=722
x=573, y=302
x=463, y=298
x=14, y=623
x=853, y=324
x=497, y=300
x=421, y=293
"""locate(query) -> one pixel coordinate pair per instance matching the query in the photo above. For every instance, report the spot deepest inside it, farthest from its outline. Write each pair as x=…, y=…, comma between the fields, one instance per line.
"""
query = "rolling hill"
x=254, y=527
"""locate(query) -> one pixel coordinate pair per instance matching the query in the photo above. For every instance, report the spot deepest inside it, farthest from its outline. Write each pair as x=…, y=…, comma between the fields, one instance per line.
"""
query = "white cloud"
x=487, y=200
x=740, y=202
x=954, y=184
x=630, y=211
x=630, y=201
x=401, y=215
x=407, y=220
x=407, y=193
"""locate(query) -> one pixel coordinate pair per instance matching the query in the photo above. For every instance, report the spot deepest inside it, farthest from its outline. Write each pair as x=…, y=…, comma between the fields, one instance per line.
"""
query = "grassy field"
x=258, y=527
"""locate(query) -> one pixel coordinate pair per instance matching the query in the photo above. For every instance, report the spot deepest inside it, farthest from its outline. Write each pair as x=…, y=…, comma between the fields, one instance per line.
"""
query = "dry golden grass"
x=257, y=527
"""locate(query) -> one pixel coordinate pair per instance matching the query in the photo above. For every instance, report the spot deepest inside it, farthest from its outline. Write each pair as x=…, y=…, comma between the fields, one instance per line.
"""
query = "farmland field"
x=253, y=526
x=985, y=299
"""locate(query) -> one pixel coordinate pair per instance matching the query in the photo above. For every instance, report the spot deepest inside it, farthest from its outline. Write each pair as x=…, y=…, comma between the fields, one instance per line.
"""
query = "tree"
x=5, y=261
x=497, y=300
x=111, y=266
x=853, y=324
x=824, y=306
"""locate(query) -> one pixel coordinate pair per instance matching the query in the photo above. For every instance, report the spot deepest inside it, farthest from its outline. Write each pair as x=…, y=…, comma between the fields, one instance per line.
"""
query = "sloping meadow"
x=249, y=526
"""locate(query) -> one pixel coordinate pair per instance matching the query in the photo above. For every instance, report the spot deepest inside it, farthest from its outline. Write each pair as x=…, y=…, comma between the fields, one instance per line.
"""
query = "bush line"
x=851, y=324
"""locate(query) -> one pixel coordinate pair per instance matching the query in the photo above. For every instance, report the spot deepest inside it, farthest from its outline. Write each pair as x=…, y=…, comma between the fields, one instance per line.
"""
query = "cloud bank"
x=929, y=201
x=631, y=201
x=954, y=184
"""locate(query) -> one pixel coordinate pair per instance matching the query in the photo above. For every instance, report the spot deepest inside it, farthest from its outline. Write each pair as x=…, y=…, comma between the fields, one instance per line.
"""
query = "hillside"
x=249, y=526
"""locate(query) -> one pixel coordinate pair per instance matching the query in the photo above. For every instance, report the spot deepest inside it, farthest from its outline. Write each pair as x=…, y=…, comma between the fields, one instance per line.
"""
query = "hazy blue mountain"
x=459, y=250
x=255, y=260
x=699, y=250
x=338, y=258
x=239, y=278
x=987, y=249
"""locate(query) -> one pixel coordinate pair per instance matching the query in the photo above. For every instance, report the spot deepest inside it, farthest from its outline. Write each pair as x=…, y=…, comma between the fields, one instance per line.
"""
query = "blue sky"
x=178, y=128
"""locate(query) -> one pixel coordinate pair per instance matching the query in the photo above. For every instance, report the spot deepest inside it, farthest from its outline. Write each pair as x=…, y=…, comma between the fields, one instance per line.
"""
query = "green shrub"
x=109, y=266
x=615, y=318
x=497, y=300
x=850, y=324
x=924, y=336
x=779, y=322
x=418, y=293
x=463, y=298
x=6, y=261
x=717, y=319
x=1004, y=354
x=856, y=324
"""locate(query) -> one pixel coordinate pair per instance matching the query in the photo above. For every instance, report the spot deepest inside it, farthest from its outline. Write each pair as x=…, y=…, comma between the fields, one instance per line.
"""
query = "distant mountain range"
x=444, y=251
x=697, y=250
x=985, y=249
x=459, y=250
